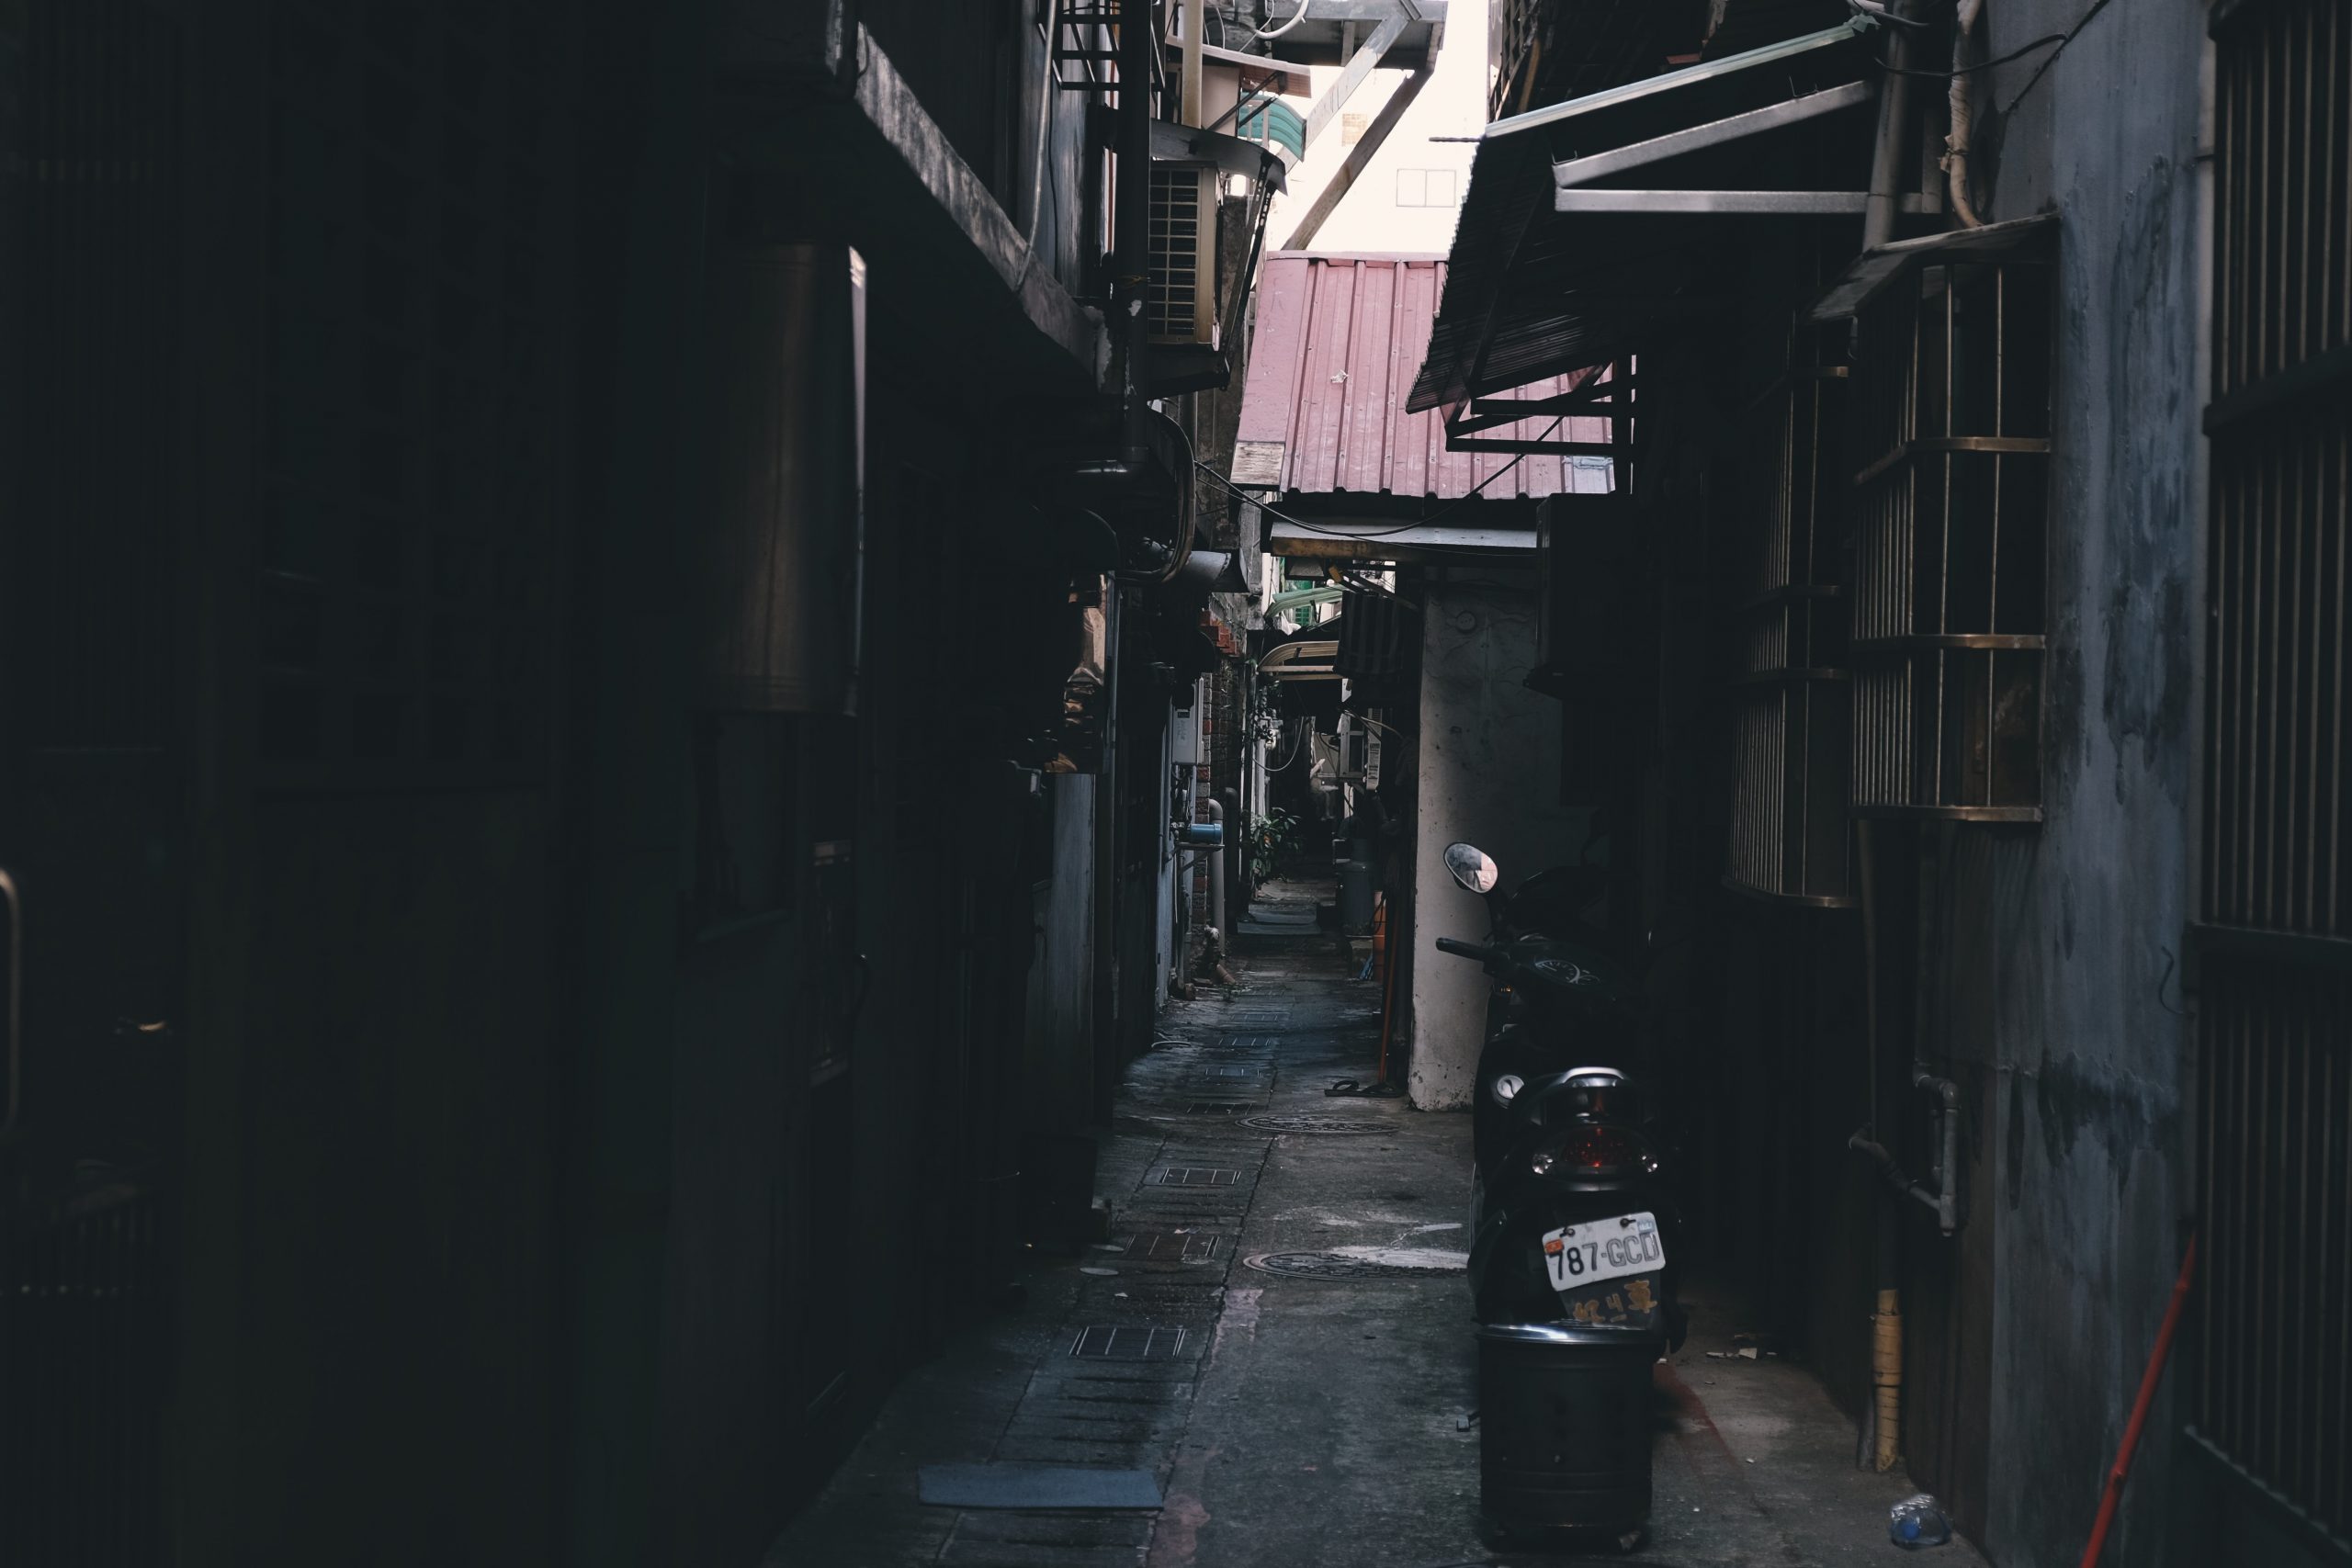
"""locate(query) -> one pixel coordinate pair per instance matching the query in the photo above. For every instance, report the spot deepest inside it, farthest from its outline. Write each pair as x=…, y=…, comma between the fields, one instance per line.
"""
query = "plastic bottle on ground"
x=1919, y=1521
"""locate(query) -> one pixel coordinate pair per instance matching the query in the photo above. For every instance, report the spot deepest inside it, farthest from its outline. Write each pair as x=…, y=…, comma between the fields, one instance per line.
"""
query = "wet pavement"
x=1278, y=1331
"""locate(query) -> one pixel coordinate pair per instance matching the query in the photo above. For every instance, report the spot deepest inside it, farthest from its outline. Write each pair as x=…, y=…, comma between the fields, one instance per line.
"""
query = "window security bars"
x=1792, y=698
x=1951, y=397
x=2268, y=1405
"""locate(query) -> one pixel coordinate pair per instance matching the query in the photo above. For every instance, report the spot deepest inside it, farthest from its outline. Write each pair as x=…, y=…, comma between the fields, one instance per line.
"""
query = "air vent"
x=1182, y=304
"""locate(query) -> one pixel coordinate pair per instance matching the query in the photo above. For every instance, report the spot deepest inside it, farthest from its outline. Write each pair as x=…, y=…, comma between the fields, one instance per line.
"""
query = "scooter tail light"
x=1594, y=1151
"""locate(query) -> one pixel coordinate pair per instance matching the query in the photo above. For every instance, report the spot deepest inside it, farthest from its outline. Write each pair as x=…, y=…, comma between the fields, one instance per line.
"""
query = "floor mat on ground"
x=1036, y=1486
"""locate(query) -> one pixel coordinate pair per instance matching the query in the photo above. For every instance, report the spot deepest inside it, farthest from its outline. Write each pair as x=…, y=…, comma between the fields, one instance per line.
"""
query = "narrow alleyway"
x=1278, y=1329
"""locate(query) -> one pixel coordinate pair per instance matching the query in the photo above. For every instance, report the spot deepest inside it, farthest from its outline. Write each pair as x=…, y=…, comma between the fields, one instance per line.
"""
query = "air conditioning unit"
x=1182, y=303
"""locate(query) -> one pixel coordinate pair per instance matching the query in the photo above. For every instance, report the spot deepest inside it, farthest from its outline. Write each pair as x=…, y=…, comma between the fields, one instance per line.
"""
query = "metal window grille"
x=2270, y=1404
x=1951, y=405
x=1792, y=700
x=418, y=180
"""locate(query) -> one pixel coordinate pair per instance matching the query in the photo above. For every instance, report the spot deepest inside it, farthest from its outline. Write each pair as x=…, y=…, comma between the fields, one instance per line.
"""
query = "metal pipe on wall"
x=1216, y=870
x=1134, y=206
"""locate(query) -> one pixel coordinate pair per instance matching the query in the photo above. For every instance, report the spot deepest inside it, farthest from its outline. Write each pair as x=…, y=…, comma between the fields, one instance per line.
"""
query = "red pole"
x=2148, y=1381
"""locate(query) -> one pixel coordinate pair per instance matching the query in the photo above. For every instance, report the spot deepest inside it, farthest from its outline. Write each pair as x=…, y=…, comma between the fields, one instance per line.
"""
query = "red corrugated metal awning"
x=1339, y=341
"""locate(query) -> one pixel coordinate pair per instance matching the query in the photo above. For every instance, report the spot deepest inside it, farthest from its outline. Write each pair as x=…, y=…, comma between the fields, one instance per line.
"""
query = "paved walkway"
x=1318, y=1414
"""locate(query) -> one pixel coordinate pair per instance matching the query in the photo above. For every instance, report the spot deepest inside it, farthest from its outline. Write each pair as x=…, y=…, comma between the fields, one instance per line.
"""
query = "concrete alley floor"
x=1302, y=1419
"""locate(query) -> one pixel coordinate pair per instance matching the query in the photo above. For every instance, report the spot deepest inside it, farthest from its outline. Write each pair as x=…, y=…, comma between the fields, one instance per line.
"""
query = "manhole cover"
x=1169, y=1246
x=1332, y=1266
x=1318, y=1124
x=1122, y=1342
x=1218, y=1107
x=1193, y=1176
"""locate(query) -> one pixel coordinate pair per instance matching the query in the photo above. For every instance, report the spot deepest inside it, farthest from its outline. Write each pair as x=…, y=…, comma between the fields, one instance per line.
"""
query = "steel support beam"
x=1594, y=399
x=1751, y=203
x=1326, y=108
x=1359, y=159
x=1715, y=133
x=1548, y=448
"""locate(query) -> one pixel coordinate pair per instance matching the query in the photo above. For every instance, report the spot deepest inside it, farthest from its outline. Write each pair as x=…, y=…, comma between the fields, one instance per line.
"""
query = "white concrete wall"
x=1489, y=773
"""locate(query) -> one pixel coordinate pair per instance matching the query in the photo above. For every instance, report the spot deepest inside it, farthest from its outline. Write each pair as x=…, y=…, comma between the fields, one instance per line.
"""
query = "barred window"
x=1951, y=398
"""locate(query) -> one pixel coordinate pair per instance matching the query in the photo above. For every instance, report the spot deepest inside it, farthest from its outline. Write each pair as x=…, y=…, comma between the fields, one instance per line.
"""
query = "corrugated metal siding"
x=1339, y=341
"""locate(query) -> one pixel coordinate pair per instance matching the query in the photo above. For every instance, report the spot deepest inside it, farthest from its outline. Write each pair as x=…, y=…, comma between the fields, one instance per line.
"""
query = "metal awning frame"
x=1611, y=398
x=1570, y=173
x=1707, y=71
x=1572, y=193
x=1591, y=397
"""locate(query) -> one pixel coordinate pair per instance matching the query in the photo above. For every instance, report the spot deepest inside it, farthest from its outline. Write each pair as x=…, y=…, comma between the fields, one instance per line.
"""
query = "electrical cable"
x=2018, y=53
x=1286, y=26
x=2059, y=39
x=1295, y=747
x=2096, y=6
x=1375, y=722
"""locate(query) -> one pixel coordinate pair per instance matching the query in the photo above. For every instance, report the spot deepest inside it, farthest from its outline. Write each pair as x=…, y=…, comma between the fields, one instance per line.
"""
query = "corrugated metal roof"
x=1338, y=342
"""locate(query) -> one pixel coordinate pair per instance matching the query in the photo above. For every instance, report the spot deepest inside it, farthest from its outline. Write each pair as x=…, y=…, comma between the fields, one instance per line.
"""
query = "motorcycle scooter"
x=1574, y=1241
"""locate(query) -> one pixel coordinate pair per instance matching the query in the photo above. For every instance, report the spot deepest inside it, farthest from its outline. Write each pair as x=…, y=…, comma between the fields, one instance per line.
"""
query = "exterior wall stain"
x=2125, y=1115
x=2074, y=916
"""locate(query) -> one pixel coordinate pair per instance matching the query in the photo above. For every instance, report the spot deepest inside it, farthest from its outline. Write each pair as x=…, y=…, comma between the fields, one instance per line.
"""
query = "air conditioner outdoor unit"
x=1182, y=304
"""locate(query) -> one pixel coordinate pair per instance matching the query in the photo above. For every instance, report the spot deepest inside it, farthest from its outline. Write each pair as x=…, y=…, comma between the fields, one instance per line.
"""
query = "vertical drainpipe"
x=1882, y=1428
x=1136, y=43
x=1894, y=123
x=1881, y=1433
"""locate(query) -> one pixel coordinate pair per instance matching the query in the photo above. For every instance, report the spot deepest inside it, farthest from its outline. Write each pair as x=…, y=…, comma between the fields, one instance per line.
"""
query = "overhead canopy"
x=1323, y=420
x=1375, y=541
x=1311, y=661
x=1876, y=269
x=1591, y=224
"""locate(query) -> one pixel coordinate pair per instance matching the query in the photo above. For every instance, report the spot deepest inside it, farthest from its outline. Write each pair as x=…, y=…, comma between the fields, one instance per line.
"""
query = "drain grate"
x=1169, y=1246
x=1331, y=1266
x=1319, y=1125
x=1194, y=1176
x=1126, y=1342
x=1219, y=1107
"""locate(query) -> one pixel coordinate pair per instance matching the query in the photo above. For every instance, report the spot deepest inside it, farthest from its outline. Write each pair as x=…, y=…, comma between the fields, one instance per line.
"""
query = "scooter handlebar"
x=1466, y=949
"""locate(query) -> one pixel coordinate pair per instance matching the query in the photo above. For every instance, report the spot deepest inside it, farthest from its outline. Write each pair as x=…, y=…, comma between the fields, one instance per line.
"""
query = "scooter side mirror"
x=1470, y=866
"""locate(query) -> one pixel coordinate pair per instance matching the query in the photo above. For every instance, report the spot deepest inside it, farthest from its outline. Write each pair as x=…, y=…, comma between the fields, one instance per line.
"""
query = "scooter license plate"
x=1603, y=1250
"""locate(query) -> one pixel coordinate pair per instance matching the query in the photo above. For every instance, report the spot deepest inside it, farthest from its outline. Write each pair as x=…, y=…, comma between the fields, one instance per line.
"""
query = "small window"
x=1427, y=188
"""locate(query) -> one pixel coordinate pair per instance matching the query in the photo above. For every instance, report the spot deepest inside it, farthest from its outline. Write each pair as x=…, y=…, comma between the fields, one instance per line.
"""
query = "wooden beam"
x=1358, y=158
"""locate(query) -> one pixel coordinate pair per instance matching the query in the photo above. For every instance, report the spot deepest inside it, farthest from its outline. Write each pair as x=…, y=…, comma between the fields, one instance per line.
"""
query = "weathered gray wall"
x=1061, y=1000
x=2062, y=936
x=1489, y=773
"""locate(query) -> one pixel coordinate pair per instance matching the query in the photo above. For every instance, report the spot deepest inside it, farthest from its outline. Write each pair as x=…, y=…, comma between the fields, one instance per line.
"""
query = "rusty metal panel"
x=1339, y=341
